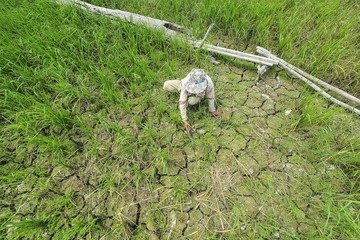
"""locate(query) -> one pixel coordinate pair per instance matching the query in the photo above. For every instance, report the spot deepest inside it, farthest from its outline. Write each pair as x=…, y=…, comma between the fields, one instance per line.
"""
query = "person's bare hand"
x=187, y=126
x=215, y=114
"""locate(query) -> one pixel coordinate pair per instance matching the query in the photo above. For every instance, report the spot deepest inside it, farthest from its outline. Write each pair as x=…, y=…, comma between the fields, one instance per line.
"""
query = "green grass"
x=92, y=147
x=320, y=37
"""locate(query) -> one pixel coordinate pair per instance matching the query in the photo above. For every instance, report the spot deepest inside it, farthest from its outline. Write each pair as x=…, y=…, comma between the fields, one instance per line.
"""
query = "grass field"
x=320, y=37
x=91, y=147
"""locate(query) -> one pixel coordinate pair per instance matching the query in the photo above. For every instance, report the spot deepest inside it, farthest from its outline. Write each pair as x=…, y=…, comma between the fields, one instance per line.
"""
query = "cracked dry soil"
x=246, y=171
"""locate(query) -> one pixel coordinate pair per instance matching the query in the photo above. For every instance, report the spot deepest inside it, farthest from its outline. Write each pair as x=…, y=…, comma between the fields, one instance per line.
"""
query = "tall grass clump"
x=320, y=37
x=333, y=138
x=334, y=130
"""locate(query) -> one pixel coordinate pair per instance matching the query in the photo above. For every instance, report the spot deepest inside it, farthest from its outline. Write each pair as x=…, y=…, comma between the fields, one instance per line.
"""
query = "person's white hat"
x=197, y=82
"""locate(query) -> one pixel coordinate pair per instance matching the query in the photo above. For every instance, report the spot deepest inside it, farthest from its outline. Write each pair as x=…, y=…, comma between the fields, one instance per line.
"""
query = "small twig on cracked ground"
x=216, y=179
x=208, y=206
x=187, y=236
x=247, y=170
x=222, y=231
x=171, y=229
x=122, y=216
x=174, y=205
x=220, y=217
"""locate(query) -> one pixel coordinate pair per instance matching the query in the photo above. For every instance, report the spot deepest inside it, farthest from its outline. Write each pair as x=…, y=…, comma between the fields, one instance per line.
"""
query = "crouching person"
x=196, y=86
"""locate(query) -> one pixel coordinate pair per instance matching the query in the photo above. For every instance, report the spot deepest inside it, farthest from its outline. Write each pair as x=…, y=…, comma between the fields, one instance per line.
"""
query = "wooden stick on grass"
x=312, y=78
x=285, y=66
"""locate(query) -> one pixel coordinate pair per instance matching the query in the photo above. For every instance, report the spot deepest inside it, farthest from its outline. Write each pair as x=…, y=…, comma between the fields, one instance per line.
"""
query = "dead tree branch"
x=285, y=66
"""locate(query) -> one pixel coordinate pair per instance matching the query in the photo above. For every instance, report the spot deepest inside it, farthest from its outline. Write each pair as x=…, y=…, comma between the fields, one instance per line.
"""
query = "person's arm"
x=211, y=98
x=183, y=105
